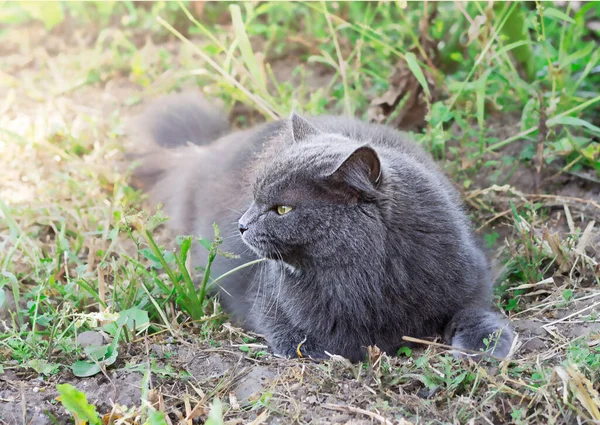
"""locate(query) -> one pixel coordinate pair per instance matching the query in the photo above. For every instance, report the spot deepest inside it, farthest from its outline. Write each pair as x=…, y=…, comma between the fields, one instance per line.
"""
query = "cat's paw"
x=479, y=333
x=497, y=344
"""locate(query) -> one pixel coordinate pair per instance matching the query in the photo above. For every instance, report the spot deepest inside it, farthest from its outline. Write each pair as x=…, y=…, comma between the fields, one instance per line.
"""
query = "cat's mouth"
x=262, y=249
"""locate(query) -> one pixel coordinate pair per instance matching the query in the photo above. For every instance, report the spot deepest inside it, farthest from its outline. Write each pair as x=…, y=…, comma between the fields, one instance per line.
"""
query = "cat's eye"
x=283, y=209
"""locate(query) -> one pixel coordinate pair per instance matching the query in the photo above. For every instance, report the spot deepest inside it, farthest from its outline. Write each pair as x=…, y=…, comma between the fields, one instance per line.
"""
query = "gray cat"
x=365, y=238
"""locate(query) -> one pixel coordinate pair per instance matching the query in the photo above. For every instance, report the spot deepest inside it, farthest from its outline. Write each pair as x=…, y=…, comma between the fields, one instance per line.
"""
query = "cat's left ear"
x=361, y=169
x=301, y=128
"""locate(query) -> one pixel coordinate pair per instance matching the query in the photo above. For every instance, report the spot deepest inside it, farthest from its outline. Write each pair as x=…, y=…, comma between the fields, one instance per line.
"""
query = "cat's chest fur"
x=318, y=300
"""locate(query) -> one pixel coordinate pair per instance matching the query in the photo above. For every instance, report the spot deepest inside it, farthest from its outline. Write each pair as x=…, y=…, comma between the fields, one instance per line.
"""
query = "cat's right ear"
x=360, y=170
x=301, y=129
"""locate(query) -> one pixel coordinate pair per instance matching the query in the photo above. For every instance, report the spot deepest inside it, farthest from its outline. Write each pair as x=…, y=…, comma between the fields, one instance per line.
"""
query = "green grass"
x=517, y=90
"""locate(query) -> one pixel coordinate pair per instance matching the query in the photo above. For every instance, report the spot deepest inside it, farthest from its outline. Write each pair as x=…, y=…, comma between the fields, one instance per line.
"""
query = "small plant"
x=75, y=402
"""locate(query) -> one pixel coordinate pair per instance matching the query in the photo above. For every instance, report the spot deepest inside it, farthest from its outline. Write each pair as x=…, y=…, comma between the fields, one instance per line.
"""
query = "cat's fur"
x=376, y=247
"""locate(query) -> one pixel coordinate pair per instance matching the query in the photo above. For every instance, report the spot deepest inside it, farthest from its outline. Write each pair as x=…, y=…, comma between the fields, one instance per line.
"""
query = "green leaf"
x=104, y=7
x=134, y=319
x=579, y=54
x=42, y=366
x=518, y=38
x=413, y=65
x=12, y=14
x=155, y=221
x=215, y=417
x=84, y=369
x=481, y=85
x=490, y=239
x=406, y=351
x=514, y=45
x=440, y=113
x=555, y=13
x=49, y=12
x=96, y=353
x=205, y=243
x=530, y=115
x=246, y=48
x=575, y=122
x=2, y=297
x=528, y=152
x=147, y=253
x=514, y=211
x=104, y=355
x=185, y=248
x=567, y=294
x=156, y=417
x=75, y=402
x=591, y=151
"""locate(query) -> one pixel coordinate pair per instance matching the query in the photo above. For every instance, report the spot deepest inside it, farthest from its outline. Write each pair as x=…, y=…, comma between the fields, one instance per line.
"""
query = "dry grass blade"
x=569, y=217
x=263, y=104
x=547, y=281
x=368, y=413
x=585, y=238
x=577, y=313
x=260, y=418
x=445, y=346
x=581, y=387
x=256, y=71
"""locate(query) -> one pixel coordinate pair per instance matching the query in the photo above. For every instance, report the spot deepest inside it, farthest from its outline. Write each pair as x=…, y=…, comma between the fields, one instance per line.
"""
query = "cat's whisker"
x=274, y=300
x=281, y=283
x=262, y=286
x=258, y=283
x=231, y=237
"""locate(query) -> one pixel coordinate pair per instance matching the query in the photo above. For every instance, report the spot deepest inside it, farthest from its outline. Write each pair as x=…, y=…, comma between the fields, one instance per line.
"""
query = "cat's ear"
x=361, y=169
x=301, y=129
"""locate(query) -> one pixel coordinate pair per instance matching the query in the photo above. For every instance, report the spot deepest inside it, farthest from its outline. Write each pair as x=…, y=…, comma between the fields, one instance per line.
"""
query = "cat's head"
x=316, y=200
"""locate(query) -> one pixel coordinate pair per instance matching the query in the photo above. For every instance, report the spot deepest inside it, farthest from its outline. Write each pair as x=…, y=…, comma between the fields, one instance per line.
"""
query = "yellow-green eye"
x=283, y=209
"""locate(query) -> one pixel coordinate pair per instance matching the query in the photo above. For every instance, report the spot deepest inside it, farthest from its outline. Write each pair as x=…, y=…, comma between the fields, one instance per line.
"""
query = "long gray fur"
x=377, y=245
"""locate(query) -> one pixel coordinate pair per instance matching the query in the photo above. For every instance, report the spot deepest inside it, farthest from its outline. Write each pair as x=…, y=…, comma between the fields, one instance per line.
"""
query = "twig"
x=449, y=347
x=558, y=198
x=567, y=198
x=571, y=315
x=549, y=304
x=364, y=412
x=23, y=402
x=497, y=216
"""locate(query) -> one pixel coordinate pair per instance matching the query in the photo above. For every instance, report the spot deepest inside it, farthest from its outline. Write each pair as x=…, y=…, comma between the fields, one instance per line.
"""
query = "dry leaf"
x=475, y=27
x=585, y=238
x=374, y=354
x=233, y=401
x=404, y=100
x=260, y=418
x=581, y=387
x=562, y=258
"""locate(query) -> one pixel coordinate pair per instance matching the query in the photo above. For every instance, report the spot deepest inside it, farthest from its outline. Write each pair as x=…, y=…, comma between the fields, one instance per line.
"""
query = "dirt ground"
x=36, y=82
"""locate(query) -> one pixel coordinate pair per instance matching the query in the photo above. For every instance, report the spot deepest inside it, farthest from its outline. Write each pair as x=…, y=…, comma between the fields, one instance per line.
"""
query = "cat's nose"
x=242, y=227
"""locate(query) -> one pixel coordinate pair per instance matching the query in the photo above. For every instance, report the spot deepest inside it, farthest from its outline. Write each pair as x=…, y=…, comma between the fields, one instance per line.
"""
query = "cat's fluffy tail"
x=168, y=123
x=477, y=329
